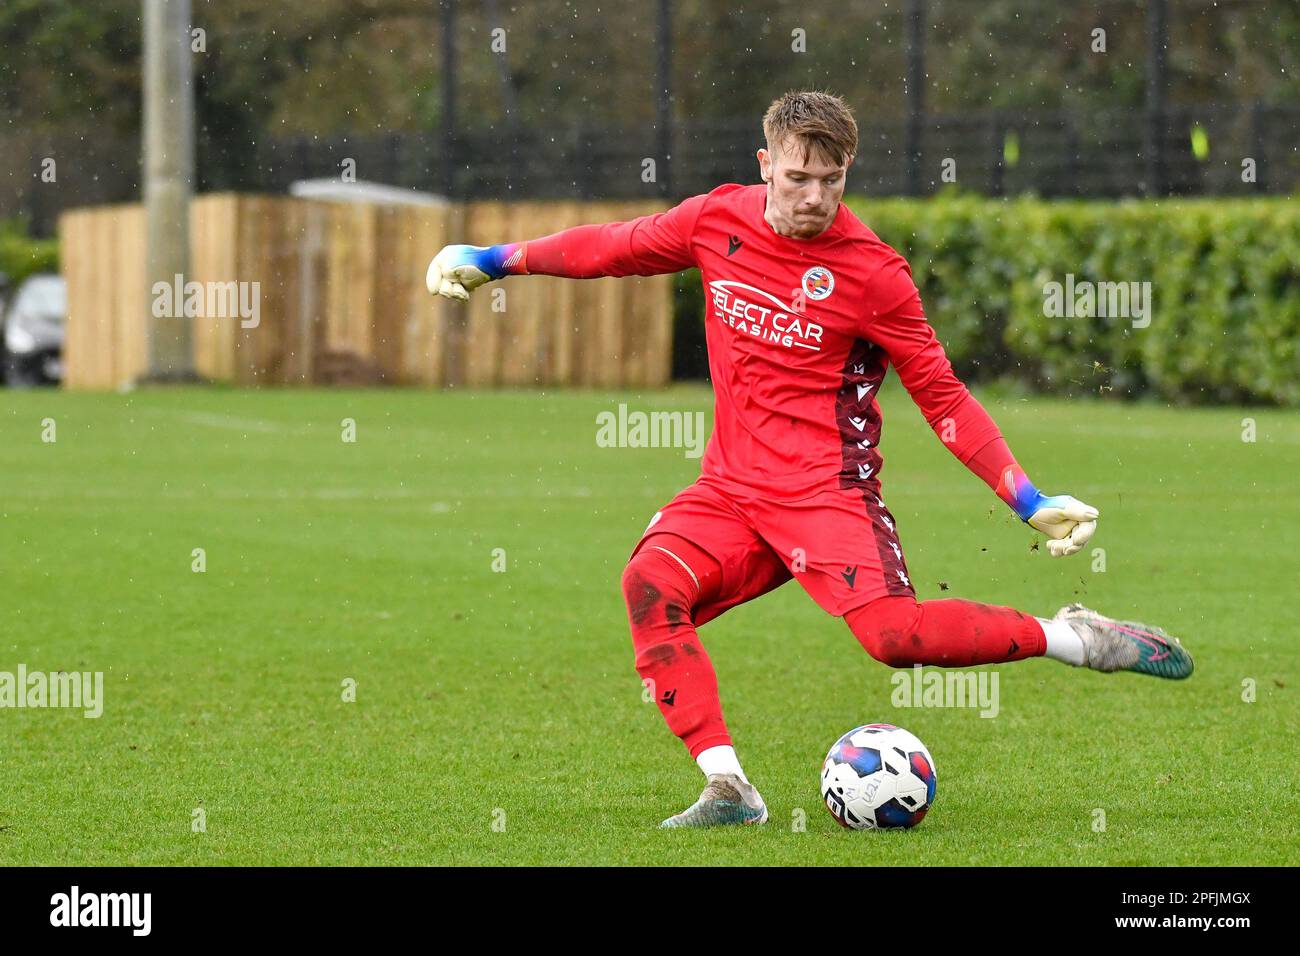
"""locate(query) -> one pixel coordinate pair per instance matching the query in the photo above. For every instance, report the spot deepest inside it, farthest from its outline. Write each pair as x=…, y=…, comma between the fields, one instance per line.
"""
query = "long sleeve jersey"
x=800, y=335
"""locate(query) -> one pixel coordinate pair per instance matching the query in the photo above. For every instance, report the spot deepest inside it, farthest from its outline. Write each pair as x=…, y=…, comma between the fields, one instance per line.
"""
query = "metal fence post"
x=914, y=13
x=448, y=97
x=1157, y=41
x=1259, y=145
x=664, y=67
x=997, y=153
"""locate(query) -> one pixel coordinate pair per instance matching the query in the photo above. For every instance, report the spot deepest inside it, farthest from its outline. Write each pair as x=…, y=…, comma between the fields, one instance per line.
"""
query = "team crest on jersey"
x=818, y=282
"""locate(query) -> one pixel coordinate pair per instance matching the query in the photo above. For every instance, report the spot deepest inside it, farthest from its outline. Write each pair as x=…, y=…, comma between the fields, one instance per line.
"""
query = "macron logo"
x=102, y=909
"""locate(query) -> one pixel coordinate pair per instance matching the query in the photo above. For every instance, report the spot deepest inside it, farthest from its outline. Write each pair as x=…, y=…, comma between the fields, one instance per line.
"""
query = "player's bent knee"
x=887, y=629
x=655, y=591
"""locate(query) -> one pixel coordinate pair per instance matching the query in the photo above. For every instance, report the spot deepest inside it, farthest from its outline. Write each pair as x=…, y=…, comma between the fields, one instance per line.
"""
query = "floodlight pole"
x=168, y=161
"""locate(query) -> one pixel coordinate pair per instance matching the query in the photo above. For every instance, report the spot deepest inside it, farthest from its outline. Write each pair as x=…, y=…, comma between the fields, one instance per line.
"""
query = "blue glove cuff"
x=1028, y=500
x=492, y=259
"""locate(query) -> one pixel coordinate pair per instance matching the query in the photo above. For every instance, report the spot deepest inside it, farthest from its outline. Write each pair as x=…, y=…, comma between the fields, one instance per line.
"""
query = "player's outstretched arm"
x=458, y=270
x=645, y=246
x=964, y=426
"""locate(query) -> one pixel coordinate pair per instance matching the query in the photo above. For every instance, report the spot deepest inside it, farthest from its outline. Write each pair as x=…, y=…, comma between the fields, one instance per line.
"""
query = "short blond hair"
x=819, y=121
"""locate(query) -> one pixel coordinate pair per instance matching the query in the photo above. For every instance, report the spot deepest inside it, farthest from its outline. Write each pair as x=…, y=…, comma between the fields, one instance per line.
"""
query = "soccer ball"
x=878, y=777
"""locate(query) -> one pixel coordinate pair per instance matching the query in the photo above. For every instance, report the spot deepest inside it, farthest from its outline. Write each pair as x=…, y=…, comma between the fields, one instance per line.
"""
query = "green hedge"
x=20, y=256
x=1224, y=279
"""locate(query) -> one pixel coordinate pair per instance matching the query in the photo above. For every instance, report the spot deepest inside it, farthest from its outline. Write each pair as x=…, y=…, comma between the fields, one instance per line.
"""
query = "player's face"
x=803, y=196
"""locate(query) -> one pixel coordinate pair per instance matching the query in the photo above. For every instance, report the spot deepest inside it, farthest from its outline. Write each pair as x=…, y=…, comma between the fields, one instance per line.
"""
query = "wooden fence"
x=341, y=298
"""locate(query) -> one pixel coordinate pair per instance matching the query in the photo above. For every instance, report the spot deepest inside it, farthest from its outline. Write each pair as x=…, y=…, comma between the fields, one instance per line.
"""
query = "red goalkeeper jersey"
x=800, y=334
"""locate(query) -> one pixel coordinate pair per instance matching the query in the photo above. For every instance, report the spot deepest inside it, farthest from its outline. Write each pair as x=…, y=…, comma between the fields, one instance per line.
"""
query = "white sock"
x=1063, y=642
x=720, y=759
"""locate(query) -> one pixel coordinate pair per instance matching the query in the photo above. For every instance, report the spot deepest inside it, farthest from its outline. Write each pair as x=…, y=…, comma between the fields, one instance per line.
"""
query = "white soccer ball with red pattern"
x=878, y=777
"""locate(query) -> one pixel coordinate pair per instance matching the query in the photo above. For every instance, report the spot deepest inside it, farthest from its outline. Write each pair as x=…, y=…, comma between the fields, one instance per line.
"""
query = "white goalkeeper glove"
x=458, y=270
x=1067, y=522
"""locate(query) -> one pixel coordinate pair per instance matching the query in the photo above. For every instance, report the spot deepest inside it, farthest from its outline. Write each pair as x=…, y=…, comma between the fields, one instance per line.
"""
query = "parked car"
x=33, y=324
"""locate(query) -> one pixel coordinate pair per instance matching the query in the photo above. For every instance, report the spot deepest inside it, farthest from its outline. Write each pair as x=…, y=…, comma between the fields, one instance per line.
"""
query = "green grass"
x=479, y=690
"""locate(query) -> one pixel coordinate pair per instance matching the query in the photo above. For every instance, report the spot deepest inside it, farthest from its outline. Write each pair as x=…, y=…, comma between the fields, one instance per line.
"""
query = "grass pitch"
x=498, y=718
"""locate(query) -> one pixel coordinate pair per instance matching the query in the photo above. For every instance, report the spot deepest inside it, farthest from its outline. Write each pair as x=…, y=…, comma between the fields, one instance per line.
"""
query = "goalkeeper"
x=806, y=311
